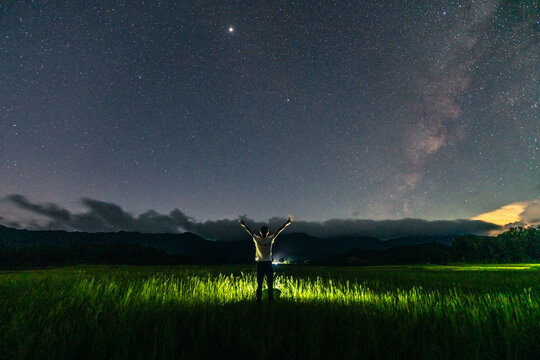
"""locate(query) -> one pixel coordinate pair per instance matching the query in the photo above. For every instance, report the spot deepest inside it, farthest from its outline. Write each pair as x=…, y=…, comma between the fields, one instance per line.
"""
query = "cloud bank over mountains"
x=106, y=216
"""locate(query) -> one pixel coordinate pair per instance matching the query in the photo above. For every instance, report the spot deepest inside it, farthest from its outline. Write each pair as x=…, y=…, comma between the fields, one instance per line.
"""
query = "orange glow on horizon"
x=505, y=215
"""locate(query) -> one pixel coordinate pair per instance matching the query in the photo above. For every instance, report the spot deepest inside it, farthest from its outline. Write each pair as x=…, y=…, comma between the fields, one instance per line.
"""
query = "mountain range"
x=290, y=246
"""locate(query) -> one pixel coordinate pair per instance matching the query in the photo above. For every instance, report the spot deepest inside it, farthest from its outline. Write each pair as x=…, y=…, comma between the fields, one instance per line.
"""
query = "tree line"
x=518, y=244
x=20, y=249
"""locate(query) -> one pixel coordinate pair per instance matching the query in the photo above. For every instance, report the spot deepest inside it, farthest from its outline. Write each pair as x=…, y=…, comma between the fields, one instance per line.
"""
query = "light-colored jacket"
x=263, y=247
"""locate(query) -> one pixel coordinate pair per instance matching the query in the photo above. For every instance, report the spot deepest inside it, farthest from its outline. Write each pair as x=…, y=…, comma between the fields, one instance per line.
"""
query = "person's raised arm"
x=246, y=227
x=287, y=223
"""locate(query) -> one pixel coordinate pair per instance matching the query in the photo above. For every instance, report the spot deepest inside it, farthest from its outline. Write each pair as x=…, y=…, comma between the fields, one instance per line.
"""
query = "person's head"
x=264, y=231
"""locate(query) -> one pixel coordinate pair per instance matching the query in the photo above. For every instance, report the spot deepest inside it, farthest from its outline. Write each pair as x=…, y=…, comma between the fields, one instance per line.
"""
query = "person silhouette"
x=263, y=256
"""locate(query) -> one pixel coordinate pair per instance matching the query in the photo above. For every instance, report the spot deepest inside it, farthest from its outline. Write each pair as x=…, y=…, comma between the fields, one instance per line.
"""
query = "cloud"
x=8, y=223
x=50, y=210
x=101, y=216
x=105, y=216
x=531, y=213
x=502, y=216
x=523, y=213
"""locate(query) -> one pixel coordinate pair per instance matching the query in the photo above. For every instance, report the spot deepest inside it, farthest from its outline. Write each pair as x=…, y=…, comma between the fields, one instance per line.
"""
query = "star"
x=408, y=112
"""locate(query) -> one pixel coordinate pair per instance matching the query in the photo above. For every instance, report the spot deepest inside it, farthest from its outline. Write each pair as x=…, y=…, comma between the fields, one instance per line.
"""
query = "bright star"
x=231, y=29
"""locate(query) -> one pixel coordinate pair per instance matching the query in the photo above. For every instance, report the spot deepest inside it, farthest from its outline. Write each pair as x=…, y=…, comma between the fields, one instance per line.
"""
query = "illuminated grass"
x=209, y=312
x=485, y=267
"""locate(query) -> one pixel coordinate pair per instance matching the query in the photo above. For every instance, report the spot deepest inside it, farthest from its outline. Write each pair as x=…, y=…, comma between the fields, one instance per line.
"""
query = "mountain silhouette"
x=292, y=246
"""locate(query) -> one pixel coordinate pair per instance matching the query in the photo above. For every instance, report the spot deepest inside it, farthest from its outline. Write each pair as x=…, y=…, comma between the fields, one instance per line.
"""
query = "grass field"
x=208, y=312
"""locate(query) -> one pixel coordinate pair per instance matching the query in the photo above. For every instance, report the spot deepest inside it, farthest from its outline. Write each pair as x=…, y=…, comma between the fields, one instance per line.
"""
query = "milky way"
x=339, y=110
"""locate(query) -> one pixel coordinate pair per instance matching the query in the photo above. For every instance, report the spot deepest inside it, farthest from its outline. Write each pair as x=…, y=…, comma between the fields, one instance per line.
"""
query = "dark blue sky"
x=352, y=109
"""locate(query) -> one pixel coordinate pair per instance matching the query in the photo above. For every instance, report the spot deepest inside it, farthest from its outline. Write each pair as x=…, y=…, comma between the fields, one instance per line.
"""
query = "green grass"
x=208, y=312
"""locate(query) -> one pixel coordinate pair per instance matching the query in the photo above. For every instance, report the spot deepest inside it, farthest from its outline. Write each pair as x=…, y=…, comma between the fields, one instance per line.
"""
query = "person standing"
x=263, y=256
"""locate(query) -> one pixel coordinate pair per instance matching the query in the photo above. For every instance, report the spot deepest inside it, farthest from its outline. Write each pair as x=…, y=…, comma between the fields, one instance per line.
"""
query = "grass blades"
x=193, y=312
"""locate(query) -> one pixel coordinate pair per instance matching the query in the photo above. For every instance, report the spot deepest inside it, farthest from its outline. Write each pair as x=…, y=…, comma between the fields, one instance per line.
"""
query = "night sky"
x=330, y=110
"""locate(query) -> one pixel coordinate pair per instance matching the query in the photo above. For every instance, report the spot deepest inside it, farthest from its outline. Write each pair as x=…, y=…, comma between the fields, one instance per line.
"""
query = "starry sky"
x=321, y=110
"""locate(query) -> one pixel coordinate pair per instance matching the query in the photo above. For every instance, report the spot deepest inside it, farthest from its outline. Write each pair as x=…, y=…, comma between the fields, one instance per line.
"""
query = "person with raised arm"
x=263, y=256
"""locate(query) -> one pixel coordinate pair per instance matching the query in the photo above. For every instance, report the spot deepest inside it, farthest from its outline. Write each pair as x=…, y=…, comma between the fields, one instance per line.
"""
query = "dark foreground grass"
x=102, y=312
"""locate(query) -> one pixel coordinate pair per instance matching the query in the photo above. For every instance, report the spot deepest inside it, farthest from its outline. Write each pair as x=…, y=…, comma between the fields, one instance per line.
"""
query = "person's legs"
x=260, y=277
x=270, y=281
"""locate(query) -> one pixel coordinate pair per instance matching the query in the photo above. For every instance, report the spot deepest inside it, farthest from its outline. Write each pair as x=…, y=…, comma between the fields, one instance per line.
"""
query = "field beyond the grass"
x=209, y=312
